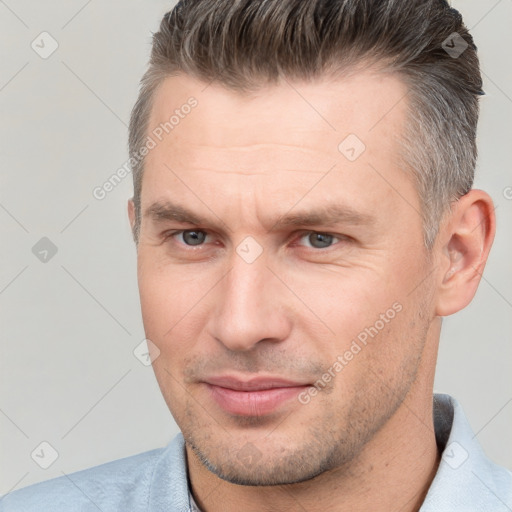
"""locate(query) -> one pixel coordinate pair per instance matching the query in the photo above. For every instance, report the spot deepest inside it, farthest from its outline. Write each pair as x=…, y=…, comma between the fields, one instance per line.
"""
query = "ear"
x=465, y=240
x=131, y=215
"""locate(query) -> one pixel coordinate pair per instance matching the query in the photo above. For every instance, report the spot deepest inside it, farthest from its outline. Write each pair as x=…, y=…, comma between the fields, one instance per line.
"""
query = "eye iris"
x=193, y=237
x=323, y=240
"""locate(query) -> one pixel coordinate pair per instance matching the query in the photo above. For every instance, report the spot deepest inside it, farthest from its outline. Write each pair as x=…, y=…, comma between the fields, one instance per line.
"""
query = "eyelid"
x=302, y=234
x=296, y=236
x=172, y=233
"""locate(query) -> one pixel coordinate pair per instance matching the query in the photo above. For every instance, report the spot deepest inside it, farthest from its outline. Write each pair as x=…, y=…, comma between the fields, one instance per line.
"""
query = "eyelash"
x=340, y=238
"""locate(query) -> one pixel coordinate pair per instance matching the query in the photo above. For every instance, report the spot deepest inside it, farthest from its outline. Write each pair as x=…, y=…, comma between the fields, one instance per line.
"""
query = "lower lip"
x=253, y=403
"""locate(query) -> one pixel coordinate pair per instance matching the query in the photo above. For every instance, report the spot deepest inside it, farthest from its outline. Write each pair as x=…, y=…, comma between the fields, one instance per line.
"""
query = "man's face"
x=303, y=263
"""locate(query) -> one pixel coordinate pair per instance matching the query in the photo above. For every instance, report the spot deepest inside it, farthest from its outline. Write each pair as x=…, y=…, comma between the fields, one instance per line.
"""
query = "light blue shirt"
x=156, y=481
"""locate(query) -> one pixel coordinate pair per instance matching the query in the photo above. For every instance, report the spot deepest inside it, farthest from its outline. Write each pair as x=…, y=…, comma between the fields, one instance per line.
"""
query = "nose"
x=250, y=307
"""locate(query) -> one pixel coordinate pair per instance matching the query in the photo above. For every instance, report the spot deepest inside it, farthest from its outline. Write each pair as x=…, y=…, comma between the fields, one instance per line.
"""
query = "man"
x=304, y=218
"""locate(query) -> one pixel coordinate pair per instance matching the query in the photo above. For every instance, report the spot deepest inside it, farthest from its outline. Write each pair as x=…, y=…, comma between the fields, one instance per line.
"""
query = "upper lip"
x=252, y=384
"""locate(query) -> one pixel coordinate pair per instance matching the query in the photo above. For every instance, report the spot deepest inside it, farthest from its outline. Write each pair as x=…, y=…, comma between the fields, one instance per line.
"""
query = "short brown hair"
x=244, y=44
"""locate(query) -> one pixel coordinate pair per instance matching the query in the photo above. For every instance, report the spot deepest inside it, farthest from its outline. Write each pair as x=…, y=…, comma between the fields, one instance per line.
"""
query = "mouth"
x=252, y=397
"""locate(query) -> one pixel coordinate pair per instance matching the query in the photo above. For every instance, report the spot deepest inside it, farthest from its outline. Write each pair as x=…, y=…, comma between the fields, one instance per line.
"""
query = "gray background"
x=70, y=325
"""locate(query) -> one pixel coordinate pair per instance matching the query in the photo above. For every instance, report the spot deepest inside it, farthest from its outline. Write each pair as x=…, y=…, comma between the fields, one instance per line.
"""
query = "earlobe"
x=466, y=237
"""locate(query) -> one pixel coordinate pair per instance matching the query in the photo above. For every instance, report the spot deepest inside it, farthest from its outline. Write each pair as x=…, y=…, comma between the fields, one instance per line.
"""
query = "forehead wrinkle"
x=254, y=146
x=251, y=158
x=263, y=172
x=264, y=151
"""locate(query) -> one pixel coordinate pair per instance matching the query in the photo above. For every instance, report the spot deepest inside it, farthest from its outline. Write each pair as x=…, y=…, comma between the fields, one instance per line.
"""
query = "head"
x=306, y=219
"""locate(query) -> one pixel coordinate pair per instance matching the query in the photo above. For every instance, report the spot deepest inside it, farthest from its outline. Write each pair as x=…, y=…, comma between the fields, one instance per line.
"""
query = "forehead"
x=315, y=114
x=272, y=145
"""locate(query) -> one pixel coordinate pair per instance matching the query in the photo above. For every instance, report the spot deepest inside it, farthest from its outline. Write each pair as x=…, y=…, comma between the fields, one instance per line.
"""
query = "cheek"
x=167, y=295
x=379, y=356
x=350, y=300
x=373, y=315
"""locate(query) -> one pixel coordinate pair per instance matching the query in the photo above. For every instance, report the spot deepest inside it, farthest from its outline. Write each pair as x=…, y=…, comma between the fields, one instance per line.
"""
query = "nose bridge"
x=248, y=305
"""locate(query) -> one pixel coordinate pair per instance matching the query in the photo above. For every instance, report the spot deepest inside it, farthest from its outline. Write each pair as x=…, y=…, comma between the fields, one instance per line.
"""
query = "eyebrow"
x=165, y=211
x=326, y=215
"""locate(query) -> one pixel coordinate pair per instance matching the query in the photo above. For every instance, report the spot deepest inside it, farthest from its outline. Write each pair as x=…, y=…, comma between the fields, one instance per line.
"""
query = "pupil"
x=323, y=239
x=193, y=237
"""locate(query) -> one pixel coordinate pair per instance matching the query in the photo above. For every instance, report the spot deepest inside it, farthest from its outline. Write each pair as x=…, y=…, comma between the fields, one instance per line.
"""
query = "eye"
x=317, y=240
x=190, y=237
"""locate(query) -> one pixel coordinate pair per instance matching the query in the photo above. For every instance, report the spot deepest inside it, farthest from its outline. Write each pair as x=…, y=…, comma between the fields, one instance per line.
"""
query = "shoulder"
x=122, y=484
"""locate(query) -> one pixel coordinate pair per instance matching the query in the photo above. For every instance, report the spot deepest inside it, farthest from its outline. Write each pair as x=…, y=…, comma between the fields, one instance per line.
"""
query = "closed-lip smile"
x=254, y=396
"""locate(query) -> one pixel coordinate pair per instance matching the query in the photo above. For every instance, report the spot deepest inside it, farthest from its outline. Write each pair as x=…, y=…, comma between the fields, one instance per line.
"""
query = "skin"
x=243, y=161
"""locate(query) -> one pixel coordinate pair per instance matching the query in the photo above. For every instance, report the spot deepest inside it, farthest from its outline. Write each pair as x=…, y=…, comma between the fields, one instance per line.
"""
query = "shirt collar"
x=169, y=483
x=466, y=480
